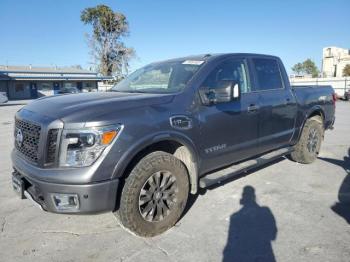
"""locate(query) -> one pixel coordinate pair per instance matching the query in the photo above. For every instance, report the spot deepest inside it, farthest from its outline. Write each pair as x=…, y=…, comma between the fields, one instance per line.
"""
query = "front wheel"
x=309, y=144
x=154, y=195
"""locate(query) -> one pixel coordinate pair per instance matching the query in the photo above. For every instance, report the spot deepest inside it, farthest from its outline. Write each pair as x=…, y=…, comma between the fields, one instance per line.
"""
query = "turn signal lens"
x=107, y=137
x=80, y=148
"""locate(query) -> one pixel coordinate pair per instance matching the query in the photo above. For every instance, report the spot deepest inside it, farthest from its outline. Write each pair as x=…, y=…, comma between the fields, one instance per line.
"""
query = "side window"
x=268, y=74
x=230, y=69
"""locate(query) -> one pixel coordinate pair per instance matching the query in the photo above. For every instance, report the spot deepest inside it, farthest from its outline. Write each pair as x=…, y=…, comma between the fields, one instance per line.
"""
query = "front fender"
x=147, y=141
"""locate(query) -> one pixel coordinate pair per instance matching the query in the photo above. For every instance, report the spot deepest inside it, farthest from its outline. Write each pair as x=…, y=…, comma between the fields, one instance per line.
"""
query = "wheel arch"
x=176, y=144
x=314, y=111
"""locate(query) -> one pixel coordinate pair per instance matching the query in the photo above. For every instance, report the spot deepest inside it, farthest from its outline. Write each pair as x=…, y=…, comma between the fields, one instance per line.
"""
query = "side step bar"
x=231, y=171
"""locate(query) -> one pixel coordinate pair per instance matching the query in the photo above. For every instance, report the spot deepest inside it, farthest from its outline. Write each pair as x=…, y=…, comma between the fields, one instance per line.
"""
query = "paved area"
x=294, y=216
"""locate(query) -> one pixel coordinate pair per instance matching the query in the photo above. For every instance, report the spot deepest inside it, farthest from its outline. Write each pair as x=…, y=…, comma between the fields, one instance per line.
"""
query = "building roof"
x=31, y=73
x=35, y=69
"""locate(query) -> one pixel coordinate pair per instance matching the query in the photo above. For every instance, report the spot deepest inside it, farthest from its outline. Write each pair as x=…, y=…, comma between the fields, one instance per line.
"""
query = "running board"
x=229, y=172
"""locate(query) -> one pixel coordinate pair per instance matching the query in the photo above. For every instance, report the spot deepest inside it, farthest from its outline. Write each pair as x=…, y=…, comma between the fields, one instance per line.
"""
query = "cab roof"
x=208, y=57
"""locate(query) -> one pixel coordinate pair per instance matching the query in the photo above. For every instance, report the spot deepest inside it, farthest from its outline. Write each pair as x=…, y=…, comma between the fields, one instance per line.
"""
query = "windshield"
x=166, y=77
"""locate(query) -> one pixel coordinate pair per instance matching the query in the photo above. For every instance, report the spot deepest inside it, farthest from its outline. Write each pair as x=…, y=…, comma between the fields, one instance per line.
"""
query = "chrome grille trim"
x=31, y=138
x=52, y=145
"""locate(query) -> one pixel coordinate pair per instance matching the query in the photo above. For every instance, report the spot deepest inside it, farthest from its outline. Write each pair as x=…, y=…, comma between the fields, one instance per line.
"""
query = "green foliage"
x=346, y=70
x=298, y=68
x=108, y=49
x=308, y=67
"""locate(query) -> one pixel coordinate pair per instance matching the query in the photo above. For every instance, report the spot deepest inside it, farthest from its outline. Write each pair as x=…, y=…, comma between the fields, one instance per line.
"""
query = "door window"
x=268, y=74
x=229, y=70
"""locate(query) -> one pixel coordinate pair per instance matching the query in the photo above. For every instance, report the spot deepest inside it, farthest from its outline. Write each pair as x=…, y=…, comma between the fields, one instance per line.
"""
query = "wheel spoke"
x=157, y=196
x=147, y=209
x=159, y=212
x=164, y=177
x=312, y=141
x=169, y=183
x=145, y=197
x=152, y=184
x=152, y=212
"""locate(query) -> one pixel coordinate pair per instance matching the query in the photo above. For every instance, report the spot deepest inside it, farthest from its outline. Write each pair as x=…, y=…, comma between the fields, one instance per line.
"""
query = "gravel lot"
x=295, y=216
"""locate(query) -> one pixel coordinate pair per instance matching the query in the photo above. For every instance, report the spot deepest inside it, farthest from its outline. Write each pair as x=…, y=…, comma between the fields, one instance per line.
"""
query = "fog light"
x=66, y=201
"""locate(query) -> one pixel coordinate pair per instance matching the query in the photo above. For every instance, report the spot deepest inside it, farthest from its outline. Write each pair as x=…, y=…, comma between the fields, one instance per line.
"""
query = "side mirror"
x=225, y=92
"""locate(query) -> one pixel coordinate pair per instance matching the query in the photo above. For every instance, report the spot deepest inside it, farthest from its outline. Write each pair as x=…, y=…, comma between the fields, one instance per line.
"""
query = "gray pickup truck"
x=167, y=130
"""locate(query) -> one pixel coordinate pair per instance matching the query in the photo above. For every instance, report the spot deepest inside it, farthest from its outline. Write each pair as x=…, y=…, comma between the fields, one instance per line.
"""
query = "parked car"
x=347, y=95
x=68, y=90
x=3, y=97
x=168, y=129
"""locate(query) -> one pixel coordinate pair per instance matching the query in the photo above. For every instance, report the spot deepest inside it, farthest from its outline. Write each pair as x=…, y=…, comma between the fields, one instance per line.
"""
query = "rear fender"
x=315, y=110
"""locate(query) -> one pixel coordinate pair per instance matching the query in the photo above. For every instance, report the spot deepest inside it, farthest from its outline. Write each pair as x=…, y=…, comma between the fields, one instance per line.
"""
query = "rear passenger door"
x=277, y=104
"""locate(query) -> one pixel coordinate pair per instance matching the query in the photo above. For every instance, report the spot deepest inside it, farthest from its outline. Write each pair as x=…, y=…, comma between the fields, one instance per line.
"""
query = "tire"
x=309, y=144
x=154, y=195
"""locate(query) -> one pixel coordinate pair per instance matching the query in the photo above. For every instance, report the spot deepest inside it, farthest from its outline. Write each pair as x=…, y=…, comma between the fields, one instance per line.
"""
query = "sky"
x=49, y=32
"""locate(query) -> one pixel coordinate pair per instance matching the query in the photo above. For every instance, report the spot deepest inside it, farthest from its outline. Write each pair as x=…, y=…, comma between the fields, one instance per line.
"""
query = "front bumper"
x=93, y=198
x=42, y=184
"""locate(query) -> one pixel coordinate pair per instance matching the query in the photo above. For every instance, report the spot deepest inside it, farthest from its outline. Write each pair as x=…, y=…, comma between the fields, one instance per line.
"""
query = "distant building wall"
x=103, y=87
x=3, y=86
x=25, y=82
x=33, y=89
x=334, y=60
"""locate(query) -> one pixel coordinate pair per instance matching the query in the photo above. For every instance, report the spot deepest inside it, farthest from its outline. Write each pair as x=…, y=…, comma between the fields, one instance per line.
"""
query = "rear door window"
x=268, y=74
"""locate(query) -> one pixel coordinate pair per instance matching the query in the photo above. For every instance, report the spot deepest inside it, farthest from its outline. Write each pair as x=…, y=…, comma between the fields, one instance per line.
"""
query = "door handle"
x=252, y=108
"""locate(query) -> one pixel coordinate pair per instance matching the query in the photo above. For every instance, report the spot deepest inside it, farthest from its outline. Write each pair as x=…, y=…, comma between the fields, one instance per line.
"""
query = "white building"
x=334, y=60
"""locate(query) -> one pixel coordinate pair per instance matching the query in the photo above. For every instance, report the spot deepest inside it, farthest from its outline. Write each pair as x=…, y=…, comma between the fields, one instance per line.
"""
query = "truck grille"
x=51, y=145
x=30, y=139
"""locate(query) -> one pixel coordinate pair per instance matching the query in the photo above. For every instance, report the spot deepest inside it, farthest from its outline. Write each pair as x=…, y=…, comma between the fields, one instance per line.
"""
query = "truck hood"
x=85, y=107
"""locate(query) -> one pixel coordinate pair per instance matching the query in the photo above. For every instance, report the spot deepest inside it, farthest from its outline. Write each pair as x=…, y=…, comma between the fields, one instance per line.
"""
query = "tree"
x=346, y=70
x=298, y=68
x=107, y=48
x=308, y=67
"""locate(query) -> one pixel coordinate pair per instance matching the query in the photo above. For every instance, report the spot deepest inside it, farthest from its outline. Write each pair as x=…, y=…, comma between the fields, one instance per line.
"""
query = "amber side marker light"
x=107, y=137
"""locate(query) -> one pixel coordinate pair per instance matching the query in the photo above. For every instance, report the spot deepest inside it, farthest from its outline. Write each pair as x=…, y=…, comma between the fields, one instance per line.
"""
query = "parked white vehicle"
x=3, y=97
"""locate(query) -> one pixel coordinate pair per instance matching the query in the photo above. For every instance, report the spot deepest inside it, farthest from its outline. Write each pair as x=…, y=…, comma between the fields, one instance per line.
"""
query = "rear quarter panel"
x=311, y=99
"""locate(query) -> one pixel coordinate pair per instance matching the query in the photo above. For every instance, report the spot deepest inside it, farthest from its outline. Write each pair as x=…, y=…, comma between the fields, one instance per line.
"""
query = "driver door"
x=229, y=130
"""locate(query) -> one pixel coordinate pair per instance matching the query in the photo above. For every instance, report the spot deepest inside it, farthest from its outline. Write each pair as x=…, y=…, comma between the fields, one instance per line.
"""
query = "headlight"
x=81, y=148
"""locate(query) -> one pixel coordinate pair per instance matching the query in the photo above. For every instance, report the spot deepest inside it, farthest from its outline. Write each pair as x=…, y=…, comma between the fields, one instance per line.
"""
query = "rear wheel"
x=154, y=195
x=308, y=147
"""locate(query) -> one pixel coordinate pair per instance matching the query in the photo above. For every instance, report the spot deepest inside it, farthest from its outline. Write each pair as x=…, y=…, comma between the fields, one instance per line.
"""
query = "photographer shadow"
x=342, y=207
x=251, y=231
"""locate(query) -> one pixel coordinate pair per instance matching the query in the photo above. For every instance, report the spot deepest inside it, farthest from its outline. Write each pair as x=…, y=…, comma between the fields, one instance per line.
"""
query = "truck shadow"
x=243, y=174
x=251, y=231
x=202, y=191
x=342, y=207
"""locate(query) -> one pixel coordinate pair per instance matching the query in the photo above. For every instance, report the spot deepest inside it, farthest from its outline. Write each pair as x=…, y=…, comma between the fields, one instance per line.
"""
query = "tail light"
x=334, y=98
